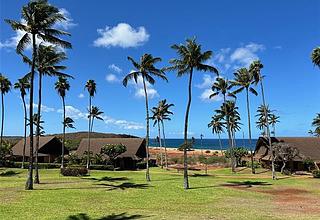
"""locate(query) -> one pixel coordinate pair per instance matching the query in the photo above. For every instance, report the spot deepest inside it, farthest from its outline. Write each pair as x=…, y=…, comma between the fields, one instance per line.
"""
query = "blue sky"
x=280, y=33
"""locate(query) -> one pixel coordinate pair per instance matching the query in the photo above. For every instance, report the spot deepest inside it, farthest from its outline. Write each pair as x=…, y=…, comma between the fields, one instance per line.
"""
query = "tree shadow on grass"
x=9, y=173
x=200, y=175
x=126, y=185
x=108, y=178
x=121, y=216
x=247, y=183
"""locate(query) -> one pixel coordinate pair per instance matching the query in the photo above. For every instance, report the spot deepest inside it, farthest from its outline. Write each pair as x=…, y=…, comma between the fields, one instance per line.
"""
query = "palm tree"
x=91, y=86
x=217, y=128
x=255, y=69
x=62, y=86
x=40, y=18
x=190, y=58
x=273, y=121
x=316, y=124
x=5, y=86
x=262, y=122
x=156, y=117
x=145, y=69
x=315, y=56
x=23, y=85
x=243, y=79
x=95, y=113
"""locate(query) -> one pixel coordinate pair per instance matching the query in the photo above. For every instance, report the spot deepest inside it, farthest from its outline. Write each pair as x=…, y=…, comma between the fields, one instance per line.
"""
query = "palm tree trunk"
x=249, y=127
x=2, y=117
x=274, y=130
x=220, y=144
x=147, y=135
x=185, y=155
x=89, y=130
x=268, y=130
x=25, y=132
x=29, y=182
x=160, y=146
x=233, y=168
x=36, y=169
x=64, y=132
x=165, y=147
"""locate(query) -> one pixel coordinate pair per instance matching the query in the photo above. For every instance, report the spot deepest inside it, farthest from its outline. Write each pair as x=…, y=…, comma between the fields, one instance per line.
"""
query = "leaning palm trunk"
x=64, y=133
x=165, y=147
x=2, y=117
x=29, y=182
x=268, y=130
x=36, y=169
x=89, y=130
x=185, y=155
x=249, y=127
x=160, y=145
x=147, y=135
x=25, y=132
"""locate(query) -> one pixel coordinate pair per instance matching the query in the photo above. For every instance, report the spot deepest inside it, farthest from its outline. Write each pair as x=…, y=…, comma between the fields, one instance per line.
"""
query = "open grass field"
x=126, y=195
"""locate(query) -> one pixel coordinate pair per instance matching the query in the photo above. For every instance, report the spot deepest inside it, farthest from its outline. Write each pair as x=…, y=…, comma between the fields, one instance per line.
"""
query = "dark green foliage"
x=5, y=152
x=238, y=153
x=74, y=171
x=8, y=173
x=113, y=151
x=256, y=164
x=316, y=173
x=101, y=167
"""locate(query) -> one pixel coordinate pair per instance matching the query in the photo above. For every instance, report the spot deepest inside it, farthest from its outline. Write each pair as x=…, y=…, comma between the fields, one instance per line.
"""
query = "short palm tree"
x=274, y=119
x=315, y=56
x=156, y=117
x=217, y=128
x=243, y=79
x=145, y=69
x=94, y=113
x=316, y=124
x=91, y=87
x=255, y=69
x=190, y=59
x=40, y=18
x=5, y=86
x=62, y=86
x=23, y=85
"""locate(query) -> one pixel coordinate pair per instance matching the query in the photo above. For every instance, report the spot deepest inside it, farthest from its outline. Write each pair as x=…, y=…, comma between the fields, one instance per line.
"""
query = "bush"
x=101, y=167
x=316, y=173
x=141, y=165
x=207, y=151
x=74, y=171
x=256, y=164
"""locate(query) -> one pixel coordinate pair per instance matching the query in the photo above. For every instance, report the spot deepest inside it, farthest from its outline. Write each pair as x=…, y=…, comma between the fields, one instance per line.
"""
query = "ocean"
x=210, y=144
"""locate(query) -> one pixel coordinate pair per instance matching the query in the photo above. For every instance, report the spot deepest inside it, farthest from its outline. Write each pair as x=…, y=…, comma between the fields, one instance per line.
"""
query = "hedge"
x=74, y=171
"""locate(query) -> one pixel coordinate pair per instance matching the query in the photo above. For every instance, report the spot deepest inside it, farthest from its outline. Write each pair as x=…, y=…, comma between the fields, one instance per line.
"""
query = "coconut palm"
x=156, y=117
x=5, y=86
x=273, y=121
x=91, y=86
x=23, y=85
x=217, y=128
x=190, y=58
x=262, y=122
x=38, y=20
x=315, y=56
x=62, y=86
x=316, y=124
x=144, y=71
x=243, y=79
x=94, y=113
x=255, y=69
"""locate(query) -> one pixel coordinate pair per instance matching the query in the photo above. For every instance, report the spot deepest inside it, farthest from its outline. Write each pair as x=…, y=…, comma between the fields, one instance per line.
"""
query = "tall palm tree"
x=62, y=86
x=39, y=19
x=315, y=56
x=262, y=122
x=274, y=119
x=243, y=79
x=95, y=113
x=23, y=85
x=5, y=86
x=217, y=128
x=190, y=58
x=145, y=69
x=91, y=86
x=255, y=69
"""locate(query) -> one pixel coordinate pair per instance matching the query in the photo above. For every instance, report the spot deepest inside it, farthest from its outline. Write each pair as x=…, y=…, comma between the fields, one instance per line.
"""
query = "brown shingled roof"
x=135, y=146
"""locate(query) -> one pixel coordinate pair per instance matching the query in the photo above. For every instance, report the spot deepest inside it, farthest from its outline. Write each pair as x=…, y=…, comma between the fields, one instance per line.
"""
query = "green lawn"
x=126, y=195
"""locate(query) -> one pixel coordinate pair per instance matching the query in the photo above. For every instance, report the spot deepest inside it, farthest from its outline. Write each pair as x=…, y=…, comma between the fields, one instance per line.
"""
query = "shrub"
x=175, y=160
x=207, y=151
x=256, y=164
x=74, y=171
x=316, y=173
x=141, y=165
x=101, y=167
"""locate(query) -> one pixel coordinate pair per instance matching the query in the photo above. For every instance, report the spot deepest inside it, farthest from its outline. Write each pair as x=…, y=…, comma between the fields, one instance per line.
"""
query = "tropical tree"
x=23, y=85
x=113, y=151
x=145, y=70
x=38, y=20
x=316, y=124
x=315, y=56
x=262, y=122
x=91, y=87
x=5, y=86
x=62, y=86
x=285, y=153
x=274, y=119
x=243, y=79
x=190, y=58
x=217, y=128
x=255, y=69
x=156, y=117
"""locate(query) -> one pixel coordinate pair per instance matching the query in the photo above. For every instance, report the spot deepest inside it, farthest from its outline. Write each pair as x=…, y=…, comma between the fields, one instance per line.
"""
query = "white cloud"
x=207, y=82
x=81, y=95
x=112, y=78
x=205, y=96
x=122, y=35
x=139, y=89
x=115, y=68
x=68, y=23
x=246, y=54
x=74, y=113
x=44, y=108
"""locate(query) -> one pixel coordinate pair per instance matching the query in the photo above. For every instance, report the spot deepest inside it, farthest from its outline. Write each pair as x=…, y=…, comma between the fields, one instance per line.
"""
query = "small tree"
x=113, y=151
x=285, y=153
x=238, y=153
x=5, y=152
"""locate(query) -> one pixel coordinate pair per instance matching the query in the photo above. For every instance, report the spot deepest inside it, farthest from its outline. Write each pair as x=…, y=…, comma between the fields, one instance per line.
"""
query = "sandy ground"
x=174, y=152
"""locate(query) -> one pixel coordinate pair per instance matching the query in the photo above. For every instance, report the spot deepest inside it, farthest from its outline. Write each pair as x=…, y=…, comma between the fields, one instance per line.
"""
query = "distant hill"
x=73, y=139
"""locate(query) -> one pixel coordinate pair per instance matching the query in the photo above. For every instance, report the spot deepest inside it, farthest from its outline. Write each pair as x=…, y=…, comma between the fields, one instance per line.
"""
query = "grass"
x=126, y=195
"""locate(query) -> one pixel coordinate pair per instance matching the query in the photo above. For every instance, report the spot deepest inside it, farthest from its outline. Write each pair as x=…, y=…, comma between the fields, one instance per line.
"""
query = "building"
x=308, y=148
x=136, y=150
x=49, y=149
